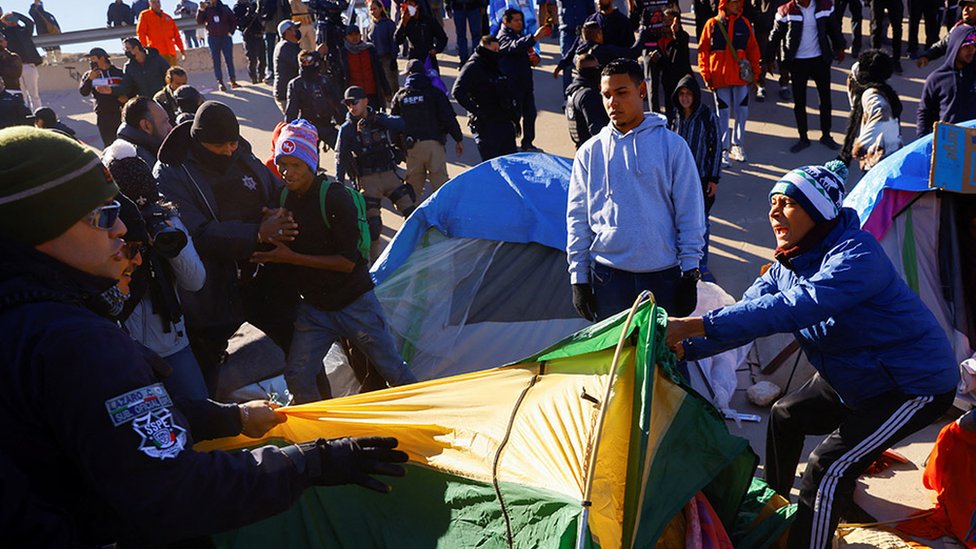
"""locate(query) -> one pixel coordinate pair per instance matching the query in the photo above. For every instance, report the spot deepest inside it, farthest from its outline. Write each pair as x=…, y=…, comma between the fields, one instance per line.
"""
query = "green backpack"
x=357, y=199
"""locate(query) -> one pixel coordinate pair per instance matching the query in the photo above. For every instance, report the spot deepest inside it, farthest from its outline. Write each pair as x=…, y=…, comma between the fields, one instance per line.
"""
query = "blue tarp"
x=515, y=198
x=905, y=170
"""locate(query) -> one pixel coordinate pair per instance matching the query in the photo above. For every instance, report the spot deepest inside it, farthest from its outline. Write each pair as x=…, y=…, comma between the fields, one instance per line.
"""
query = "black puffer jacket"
x=482, y=89
x=788, y=28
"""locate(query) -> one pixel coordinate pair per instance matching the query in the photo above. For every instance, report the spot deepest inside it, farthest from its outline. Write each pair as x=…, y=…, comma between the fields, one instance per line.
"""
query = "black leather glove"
x=331, y=462
x=686, y=294
x=583, y=301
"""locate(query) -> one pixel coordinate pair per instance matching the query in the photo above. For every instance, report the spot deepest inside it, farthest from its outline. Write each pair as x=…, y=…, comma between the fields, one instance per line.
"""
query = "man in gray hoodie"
x=636, y=217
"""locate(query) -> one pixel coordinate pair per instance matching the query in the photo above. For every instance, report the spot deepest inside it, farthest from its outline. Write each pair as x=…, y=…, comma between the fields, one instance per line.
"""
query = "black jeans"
x=254, y=49
x=930, y=10
x=855, y=439
x=108, y=125
x=856, y=16
x=801, y=71
x=895, y=11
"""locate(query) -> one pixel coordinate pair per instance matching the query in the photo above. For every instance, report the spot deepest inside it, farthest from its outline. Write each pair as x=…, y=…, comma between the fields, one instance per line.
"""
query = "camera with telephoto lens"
x=165, y=238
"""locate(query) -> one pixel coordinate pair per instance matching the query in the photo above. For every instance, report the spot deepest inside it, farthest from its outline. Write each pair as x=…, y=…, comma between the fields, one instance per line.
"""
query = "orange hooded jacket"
x=718, y=66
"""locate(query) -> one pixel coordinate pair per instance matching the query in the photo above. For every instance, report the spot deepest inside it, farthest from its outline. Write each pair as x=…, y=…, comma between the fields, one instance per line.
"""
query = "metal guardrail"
x=95, y=35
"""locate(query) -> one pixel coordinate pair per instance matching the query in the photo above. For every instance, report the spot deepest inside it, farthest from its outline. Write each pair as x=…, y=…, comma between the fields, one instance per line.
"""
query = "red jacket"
x=718, y=66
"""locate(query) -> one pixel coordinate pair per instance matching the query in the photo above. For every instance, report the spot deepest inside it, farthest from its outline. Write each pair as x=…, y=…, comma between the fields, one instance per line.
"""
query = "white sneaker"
x=725, y=159
x=738, y=154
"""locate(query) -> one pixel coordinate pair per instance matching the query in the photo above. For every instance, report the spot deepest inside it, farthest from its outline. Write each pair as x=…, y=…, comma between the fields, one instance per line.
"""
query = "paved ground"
x=741, y=240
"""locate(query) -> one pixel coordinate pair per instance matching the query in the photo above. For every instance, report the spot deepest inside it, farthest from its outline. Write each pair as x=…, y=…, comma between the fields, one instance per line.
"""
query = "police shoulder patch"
x=161, y=437
x=125, y=408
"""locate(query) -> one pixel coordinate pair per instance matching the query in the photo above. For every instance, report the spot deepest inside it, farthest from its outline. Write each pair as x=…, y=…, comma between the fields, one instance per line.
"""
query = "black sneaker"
x=898, y=67
x=800, y=145
x=530, y=149
x=829, y=142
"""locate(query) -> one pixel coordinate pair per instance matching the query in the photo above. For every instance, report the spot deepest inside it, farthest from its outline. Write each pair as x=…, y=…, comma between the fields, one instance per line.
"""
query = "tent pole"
x=604, y=405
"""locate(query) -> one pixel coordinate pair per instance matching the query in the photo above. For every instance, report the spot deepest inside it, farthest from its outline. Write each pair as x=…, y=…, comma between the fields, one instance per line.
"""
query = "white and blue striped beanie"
x=819, y=189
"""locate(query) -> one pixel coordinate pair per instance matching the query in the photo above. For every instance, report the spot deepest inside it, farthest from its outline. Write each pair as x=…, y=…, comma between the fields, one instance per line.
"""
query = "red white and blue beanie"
x=819, y=189
x=299, y=139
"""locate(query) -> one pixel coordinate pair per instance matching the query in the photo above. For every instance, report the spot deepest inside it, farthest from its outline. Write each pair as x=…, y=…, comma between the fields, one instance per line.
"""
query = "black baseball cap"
x=99, y=52
x=354, y=93
x=46, y=114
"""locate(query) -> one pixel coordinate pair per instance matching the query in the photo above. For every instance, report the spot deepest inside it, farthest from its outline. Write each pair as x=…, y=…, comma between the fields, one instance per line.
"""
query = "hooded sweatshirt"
x=700, y=130
x=949, y=95
x=635, y=202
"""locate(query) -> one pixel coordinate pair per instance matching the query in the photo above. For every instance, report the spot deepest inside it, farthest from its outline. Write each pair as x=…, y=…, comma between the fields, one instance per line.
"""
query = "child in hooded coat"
x=699, y=126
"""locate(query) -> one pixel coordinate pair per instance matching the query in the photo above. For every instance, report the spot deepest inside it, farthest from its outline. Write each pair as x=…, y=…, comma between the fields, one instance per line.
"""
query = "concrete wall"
x=67, y=76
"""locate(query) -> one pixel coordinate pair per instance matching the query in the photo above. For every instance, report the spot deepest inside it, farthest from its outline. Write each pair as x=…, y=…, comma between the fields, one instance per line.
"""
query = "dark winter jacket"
x=604, y=53
x=82, y=414
x=380, y=34
x=788, y=26
x=856, y=319
x=19, y=39
x=617, y=28
x=13, y=112
x=949, y=95
x=314, y=97
x=285, y=67
x=353, y=158
x=249, y=19
x=11, y=68
x=44, y=21
x=119, y=14
x=464, y=5
x=219, y=19
x=225, y=245
x=145, y=78
x=421, y=34
x=584, y=110
x=514, y=57
x=426, y=110
x=700, y=130
x=675, y=61
x=483, y=90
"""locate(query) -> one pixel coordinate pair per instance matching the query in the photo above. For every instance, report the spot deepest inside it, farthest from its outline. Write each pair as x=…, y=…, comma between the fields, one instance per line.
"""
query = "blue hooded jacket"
x=949, y=95
x=857, y=321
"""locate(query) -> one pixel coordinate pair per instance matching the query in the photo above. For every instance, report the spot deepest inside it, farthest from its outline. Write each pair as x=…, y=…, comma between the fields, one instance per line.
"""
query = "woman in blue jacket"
x=884, y=366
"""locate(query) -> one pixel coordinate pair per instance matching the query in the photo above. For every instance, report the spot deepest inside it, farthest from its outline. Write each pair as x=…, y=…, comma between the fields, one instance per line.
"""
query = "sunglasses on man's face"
x=105, y=216
x=131, y=249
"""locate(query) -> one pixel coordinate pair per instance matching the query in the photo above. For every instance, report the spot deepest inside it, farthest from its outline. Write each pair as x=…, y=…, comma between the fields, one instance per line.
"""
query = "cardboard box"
x=953, y=159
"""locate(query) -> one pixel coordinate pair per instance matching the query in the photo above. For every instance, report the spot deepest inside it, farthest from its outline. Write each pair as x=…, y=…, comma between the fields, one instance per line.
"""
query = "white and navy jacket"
x=788, y=26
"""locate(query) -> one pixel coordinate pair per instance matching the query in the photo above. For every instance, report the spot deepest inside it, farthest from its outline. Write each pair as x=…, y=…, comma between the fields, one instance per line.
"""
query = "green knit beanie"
x=48, y=182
